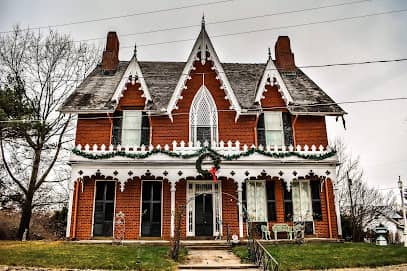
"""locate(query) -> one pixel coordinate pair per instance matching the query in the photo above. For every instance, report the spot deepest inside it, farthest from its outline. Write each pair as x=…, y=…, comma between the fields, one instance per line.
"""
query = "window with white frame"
x=203, y=118
x=131, y=128
x=273, y=126
x=256, y=200
x=302, y=202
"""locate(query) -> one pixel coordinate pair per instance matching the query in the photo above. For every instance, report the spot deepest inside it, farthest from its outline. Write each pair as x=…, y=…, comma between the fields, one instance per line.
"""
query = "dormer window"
x=203, y=118
x=131, y=128
x=274, y=129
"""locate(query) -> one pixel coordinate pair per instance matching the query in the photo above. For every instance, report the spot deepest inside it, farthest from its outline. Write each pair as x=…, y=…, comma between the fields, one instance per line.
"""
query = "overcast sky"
x=377, y=132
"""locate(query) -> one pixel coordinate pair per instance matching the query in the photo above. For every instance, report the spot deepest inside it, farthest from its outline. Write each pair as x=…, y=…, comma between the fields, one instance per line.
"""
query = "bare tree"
x=44, y=69
x=359, y=203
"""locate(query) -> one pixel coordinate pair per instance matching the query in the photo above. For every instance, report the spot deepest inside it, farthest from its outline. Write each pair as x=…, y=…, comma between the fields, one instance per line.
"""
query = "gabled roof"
x=202, y=46
x=163, y=82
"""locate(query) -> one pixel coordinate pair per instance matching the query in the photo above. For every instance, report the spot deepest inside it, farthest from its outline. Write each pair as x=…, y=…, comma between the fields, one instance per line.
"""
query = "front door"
x=151, y=209
x=203, y=215
x=104, y=209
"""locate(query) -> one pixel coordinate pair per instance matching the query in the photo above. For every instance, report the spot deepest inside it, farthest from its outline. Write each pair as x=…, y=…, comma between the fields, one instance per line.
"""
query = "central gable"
x=203, y=51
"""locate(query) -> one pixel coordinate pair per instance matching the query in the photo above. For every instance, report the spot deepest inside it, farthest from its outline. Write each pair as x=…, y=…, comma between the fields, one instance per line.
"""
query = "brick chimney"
x=284, y=56
x=110, y=58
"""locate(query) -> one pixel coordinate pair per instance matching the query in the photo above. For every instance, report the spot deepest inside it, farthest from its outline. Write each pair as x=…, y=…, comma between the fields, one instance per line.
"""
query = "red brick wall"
x=166, y=207
x=180, y=201
x=84, y=213
x=310, y=130
x=93, y=129
x=164, y=131
x=272, y=98
x=230, y=208
x=128, y=202
x=132, y=97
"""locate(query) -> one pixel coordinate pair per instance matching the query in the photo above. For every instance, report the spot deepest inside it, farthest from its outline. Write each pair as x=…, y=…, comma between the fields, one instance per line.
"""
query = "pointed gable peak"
x=203, y=51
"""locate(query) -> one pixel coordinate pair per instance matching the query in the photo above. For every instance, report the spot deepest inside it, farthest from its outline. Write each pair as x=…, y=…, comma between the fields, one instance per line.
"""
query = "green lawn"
x=68, y=255
x=331, y=255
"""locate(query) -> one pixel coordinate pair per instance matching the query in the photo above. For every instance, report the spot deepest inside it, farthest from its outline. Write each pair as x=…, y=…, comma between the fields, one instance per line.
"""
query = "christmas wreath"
x=216, y=161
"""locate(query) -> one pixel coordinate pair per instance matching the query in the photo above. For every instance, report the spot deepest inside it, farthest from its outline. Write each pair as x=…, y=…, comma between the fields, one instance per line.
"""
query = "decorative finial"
x=269, y=53
x=135, y=51
x=203, y=20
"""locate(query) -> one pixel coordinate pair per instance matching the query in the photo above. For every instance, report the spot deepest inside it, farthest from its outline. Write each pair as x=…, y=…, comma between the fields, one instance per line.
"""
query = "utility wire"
x=231, y=110
x=275, y=28
x=127, y=15
x=232, y=71
x=233, y=20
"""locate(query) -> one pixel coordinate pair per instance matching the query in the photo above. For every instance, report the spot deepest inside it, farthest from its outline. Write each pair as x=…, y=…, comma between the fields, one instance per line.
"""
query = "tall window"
x=256, y=200
x=271, y=201
x=316, y=200
x=302, y=204
x=131, y=128
x=273, y=126
x=203, y=118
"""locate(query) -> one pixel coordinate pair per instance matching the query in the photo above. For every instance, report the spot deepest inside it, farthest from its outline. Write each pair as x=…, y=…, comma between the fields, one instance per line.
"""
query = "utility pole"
x=351, y=206
x=403, y=209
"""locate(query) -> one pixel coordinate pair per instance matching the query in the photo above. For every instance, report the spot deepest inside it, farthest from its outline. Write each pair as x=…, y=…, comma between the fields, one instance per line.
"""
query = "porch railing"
x=261, y=257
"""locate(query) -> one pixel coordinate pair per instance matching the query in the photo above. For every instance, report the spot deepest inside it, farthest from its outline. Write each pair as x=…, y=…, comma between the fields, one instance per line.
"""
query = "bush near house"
x=331, y=255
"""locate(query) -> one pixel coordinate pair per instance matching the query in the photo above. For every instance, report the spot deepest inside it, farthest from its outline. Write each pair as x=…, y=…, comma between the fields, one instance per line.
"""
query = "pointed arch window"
x=203, y=118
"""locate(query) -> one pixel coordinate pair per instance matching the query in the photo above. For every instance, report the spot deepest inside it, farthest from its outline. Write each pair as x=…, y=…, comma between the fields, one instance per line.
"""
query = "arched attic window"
x=203, y=118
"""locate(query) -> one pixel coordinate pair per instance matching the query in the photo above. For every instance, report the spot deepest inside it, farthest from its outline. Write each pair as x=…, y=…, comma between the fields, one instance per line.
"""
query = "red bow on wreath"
x=212, y=171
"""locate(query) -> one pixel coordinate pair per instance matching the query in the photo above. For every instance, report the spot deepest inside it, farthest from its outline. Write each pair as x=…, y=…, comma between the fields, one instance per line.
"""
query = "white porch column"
x=69, y=218
x=240, y=198
x=172, y=189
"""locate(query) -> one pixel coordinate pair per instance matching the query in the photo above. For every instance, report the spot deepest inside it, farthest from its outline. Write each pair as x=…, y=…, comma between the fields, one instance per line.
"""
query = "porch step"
x=218, y=267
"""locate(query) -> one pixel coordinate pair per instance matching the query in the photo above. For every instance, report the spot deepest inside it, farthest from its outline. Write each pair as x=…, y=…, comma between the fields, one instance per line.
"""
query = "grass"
x=68, y=255
x=331, y=255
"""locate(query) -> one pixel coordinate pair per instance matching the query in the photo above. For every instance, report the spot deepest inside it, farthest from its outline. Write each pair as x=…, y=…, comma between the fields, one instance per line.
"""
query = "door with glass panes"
x=104, y=208
x=151, y=209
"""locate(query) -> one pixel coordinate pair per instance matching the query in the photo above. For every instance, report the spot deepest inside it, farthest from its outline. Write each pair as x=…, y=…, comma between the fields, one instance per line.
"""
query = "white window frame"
x=272, y=118
x=203, y=95
x=302, y=207
x=256, y=217
x=136, y=129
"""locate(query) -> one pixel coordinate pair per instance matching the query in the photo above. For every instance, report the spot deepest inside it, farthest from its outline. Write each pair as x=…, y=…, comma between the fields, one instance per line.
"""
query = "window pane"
x=270, y=191
x=315, y=189
x=203, y=133
x=274, y=138
x=273, y=121
x=157, y=191
x=131, y=132
x=110, y=190
x=147, y=191
x=271, y=211
x=100, y=190
x=156, y=212
x=256, y=201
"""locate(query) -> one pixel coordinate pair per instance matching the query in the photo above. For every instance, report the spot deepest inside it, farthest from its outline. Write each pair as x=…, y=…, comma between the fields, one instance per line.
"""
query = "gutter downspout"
x=293, y=128
x=328, y=208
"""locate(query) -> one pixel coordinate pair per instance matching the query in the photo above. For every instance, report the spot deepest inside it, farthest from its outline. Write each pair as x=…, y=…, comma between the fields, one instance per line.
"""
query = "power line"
x=231, y=110
x=127, y=15
x=233, y=20
x=231, y=71
x=275, y=28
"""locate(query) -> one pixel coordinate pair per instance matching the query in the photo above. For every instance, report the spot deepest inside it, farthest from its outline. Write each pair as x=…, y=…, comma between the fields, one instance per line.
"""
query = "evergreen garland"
x=251, y=151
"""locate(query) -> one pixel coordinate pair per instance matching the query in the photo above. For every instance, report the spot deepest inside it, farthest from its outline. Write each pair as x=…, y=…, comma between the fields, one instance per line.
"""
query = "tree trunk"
x=26, y=213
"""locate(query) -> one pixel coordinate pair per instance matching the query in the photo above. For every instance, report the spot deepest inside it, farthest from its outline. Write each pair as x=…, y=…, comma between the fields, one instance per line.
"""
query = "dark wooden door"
x=104, y=209
x=203, y=215
x=151, y=209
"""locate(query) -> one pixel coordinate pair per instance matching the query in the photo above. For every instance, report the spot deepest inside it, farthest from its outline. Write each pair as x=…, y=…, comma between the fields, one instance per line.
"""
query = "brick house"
x=224, y=143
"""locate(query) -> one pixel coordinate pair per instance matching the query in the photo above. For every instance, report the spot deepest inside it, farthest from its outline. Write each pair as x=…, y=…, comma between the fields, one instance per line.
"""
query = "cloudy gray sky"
x=377, y=132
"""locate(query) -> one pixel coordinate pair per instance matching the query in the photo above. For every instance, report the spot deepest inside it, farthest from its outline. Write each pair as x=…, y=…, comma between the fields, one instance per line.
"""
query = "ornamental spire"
x=203, y=21
x=269, y=53
x=135, y=51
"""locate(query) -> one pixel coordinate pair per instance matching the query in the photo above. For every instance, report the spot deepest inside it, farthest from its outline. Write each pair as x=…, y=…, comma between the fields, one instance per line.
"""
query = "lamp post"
x=403, y=210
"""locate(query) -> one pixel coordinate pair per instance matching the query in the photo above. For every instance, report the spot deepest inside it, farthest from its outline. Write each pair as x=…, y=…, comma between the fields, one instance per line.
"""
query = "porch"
x=150, y=185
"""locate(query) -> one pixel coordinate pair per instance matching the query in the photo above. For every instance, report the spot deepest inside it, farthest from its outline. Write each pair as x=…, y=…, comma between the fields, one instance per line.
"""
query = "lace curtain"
x=302, y=202
x=256, y=201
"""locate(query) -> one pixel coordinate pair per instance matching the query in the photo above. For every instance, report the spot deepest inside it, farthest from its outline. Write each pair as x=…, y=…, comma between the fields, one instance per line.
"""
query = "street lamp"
x=403, y=209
